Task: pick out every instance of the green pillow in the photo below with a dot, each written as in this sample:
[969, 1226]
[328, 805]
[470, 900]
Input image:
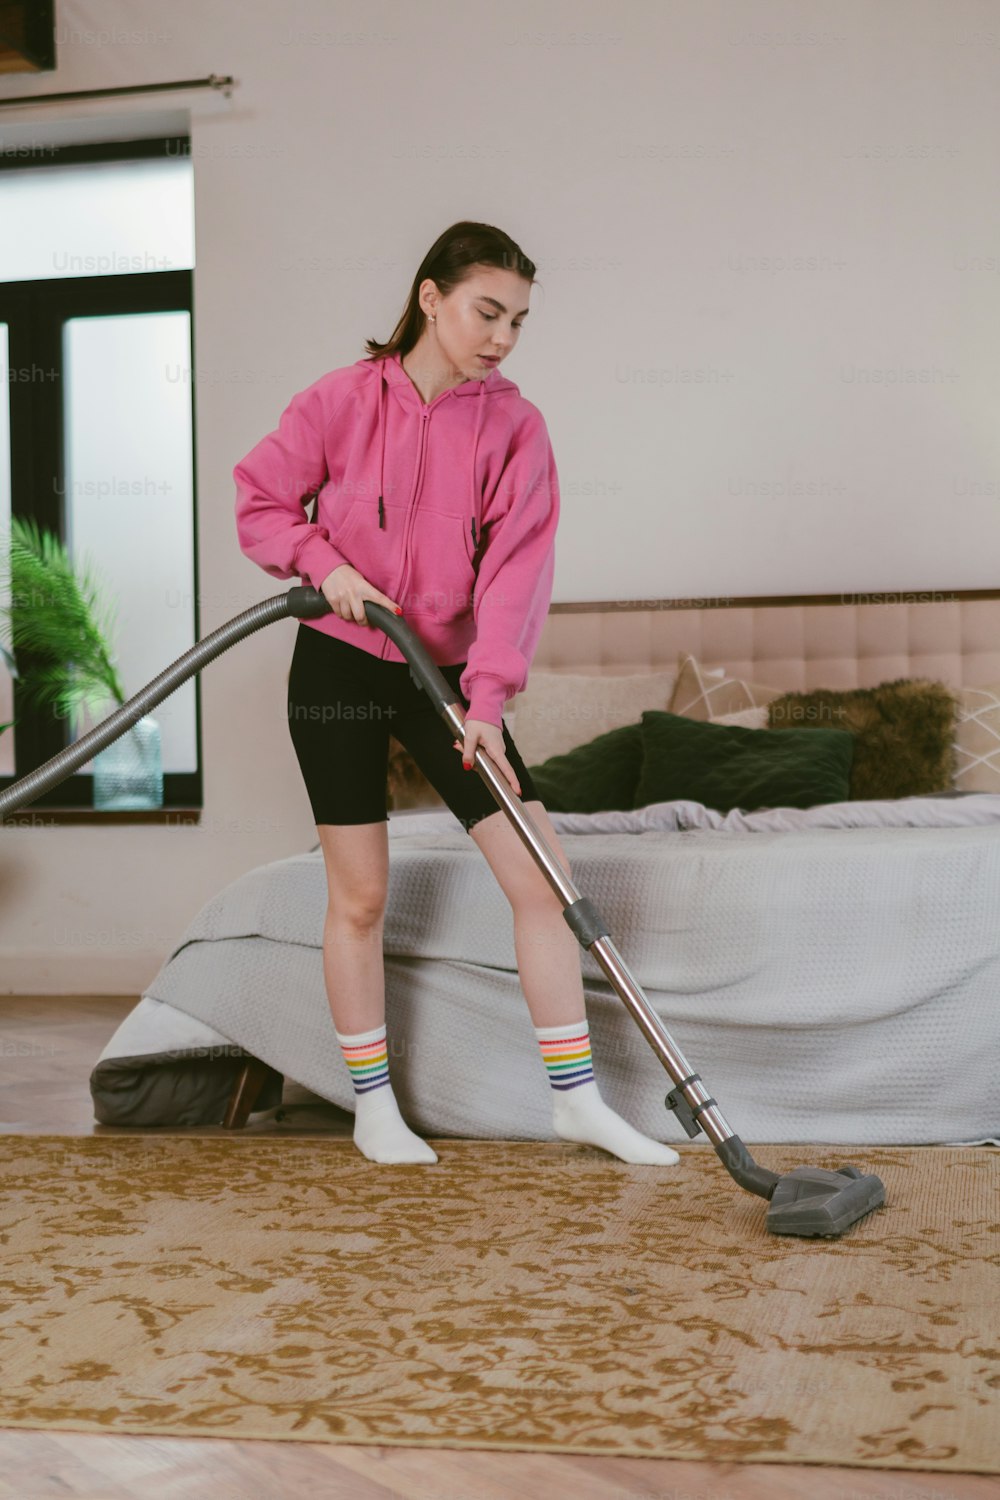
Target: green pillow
[725, 766]
[600, 776]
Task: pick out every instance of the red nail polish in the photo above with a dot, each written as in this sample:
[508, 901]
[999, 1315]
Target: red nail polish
[399, 611]
[467, 764]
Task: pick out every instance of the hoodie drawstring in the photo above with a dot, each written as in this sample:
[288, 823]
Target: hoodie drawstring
[381, 427]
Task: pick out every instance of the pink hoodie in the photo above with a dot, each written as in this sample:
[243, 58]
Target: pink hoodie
[450, 509]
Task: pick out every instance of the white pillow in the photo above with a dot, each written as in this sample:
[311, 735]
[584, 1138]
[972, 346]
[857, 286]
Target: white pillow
[746, 718]
[559, 710]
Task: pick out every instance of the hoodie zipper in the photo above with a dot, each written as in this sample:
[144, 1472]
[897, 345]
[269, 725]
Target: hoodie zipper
[408, 527]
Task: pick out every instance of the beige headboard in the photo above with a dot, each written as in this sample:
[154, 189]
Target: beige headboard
[795, 643]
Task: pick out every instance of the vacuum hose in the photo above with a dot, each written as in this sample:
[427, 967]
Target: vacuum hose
[302, 603]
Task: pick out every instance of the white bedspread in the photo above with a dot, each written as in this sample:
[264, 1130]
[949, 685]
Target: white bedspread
[834, 973]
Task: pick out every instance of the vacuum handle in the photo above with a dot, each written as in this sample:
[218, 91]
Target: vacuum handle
[309, 604]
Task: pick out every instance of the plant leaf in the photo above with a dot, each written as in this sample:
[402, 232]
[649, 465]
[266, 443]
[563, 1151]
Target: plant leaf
[56, 613]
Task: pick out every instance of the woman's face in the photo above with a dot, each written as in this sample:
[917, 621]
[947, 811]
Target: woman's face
[482, 316]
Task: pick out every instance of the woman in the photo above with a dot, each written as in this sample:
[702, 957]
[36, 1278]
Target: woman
[437, 496]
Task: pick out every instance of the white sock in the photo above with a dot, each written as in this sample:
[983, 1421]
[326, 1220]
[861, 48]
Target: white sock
[578, 1111]
[380, 1132]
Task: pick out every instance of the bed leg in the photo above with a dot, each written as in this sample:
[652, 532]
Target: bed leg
[246, 1091]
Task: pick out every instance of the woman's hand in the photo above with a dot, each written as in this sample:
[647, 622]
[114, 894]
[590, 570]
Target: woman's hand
[345, 590]
[480, 732]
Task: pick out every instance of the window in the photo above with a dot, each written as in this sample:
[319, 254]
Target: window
[97, 434]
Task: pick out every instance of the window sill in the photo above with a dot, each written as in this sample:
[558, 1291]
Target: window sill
[44, 816]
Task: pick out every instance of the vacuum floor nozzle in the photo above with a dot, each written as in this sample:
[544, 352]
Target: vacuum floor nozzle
[813, 1201]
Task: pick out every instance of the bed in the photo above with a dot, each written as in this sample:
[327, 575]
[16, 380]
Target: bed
[832, 970]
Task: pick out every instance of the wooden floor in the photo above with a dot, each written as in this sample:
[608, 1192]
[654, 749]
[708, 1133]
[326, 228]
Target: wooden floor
[48, 1047]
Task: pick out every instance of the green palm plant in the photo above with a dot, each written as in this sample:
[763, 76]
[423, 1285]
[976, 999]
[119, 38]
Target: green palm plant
[57, 614]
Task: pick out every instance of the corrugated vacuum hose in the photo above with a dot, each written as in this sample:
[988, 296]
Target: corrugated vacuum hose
[807, 1201]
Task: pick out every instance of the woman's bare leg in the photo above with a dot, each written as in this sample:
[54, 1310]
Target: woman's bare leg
[357, 868]
[548, 963]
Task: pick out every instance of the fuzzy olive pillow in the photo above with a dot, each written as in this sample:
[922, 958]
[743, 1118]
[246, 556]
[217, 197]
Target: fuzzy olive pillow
[724, 766]
[599, 776]
[904, 733]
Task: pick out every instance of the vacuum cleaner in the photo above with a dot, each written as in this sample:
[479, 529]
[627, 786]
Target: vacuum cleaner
[808, 1201]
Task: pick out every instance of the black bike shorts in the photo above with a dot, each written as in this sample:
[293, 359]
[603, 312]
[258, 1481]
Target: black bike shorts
[344, 703]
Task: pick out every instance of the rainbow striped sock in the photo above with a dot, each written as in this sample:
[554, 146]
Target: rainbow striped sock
[566, 1054]
[367, 1059]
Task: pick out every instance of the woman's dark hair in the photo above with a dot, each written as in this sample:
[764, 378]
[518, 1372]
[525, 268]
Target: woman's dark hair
[450, 261]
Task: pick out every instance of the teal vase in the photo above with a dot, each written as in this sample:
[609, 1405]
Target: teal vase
[128, 773]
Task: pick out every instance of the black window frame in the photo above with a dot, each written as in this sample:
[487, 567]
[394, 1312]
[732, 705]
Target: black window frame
[35, 312]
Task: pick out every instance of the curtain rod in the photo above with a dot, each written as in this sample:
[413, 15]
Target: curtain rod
[213, 81]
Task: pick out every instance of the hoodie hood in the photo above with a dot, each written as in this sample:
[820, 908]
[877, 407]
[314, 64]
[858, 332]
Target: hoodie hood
[392, 377]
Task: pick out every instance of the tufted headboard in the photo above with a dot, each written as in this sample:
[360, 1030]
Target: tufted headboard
[795, 643]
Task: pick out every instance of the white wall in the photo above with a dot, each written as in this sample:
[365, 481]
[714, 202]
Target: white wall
[765, 343]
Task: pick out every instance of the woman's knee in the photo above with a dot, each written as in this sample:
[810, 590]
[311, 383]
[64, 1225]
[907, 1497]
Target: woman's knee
[357, 868]
[539, 816]
[361, 910]
[525, 884]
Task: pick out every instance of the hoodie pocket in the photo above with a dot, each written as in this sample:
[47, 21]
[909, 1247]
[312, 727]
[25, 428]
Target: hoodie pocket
[440, 577]
[342, 525]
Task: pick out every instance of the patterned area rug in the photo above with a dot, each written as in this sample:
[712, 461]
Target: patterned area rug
[516, 1295]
